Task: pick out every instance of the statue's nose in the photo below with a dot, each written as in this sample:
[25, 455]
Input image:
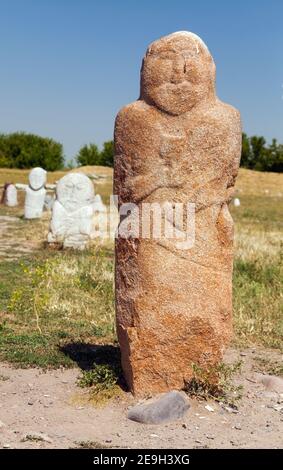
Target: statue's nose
[179, 70]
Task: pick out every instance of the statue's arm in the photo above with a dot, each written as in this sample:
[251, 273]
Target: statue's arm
[234, 151]
[58, 224]
[219, 188]
[137, 172]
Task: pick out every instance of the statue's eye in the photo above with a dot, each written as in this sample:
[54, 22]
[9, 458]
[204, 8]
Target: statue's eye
[192, 72]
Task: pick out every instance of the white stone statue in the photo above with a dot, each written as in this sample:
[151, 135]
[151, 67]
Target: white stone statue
[48, 202]
[98, 205]
[10, 196]
[35, 193]
[237, 202]
[73, 211]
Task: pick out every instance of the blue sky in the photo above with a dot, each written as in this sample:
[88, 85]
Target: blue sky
[68, 66]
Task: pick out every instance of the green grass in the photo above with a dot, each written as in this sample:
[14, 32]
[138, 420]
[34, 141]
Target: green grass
[55, 301]
[216, 383]
[57, 307]
[263, 212]
[258, 311]
[268, 366]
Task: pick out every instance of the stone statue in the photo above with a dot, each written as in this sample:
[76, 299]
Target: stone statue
[72, 212]
[177, 143]
[10, 195]
[35, 193]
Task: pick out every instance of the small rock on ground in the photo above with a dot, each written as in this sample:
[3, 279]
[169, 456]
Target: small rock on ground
[272, 383]
[169, 407]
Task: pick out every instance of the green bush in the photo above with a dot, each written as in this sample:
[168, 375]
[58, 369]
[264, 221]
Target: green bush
[256, 155]
[107, 154]
[91, 155]
[88, 155]
[21, 150]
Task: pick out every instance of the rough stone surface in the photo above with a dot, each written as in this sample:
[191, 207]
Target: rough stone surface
[72, 212]
[48, 202]
[169, 407]
[272, 383]
[177, 143]
[98, 205]
[35, 194]
[10, 196]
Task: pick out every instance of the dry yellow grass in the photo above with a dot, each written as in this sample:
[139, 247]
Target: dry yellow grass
[258, 183]
[13, 175]
[249, 182]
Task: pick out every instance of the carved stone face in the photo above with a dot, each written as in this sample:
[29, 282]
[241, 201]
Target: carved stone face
[178, 73]
[37, 178]
[75, 191]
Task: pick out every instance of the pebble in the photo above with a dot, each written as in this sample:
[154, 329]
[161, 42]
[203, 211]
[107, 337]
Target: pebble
[30, 403]
[209, 408]
[231, 410]
[278, 407]
[238, 427]
[169, 407]
[37, 435]
[272, 383]
[6, 446]
[210, 437]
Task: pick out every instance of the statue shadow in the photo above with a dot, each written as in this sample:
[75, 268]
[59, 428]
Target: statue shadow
[87, 356]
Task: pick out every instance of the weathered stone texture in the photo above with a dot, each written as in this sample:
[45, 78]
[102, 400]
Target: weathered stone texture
[72, 212]
[177, 143]
[35, 193]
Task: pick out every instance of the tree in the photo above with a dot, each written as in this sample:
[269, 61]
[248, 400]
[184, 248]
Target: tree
[246, 152]
[258, 152]
[107, 154]
[88, 155]
[21, 150]
[256, 155]
[274, 157]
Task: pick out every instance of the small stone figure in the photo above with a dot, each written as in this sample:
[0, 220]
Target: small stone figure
[10, 196]
[237, 202]
[48, 202]
[35, 194]
[72, 212]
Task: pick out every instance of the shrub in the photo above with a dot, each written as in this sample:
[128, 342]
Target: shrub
[107, 154]
[21, 150]
[256, 155]
[88, 155]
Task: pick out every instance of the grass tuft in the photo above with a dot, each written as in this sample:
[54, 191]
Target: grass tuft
[215, 383]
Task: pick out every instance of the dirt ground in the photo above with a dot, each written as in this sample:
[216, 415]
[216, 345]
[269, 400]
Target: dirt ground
[12, 249]
[38, 410]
